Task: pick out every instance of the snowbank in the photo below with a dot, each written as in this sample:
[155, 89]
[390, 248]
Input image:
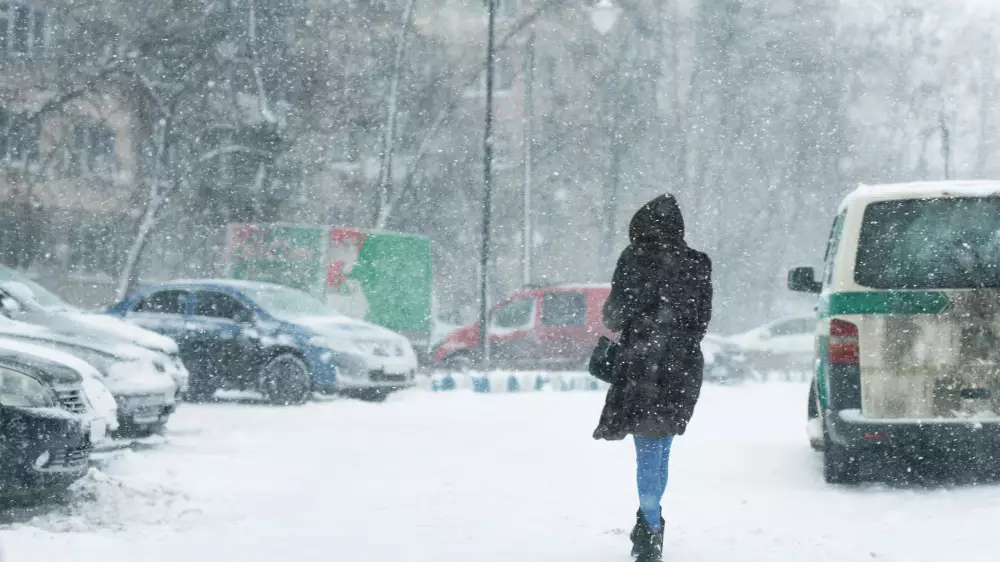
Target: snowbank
[113, 502]
[511, 381]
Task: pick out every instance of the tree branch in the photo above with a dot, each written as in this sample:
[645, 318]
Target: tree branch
[471, 77]
[385, 179]
[59, 100]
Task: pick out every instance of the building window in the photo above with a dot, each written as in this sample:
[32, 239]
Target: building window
[23, 30]
[18, 139]
[94, 150]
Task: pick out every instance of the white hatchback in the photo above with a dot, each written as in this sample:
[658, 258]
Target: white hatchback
[101, 407]
[784, 345]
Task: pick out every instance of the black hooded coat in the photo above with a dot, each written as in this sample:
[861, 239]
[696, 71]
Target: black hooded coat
[661, 302]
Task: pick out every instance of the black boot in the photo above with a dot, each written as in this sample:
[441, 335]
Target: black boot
[653, 550]
[639, 535]
[645, 539]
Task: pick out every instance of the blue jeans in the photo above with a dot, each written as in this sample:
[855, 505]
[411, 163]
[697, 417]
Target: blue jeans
[652, 456]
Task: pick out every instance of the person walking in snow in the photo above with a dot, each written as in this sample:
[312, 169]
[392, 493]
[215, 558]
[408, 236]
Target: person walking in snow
[661, 303]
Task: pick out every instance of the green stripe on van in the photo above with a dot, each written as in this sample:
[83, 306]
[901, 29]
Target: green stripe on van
[891, 302]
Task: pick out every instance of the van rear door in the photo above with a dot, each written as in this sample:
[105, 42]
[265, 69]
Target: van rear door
[564, 335]
[927, 329]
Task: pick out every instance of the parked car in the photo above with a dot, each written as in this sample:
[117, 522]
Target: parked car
[101, 405]
[44, 427]
[24, 300]
[137, 378]
[557, 327]
[538, 328]
[908, 324]
[784, 345]
[272, 339]
[725, 362]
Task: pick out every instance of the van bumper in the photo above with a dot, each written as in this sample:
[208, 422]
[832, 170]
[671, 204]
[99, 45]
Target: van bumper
[848, 428]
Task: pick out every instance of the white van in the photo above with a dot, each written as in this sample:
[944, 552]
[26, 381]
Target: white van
[908, 340]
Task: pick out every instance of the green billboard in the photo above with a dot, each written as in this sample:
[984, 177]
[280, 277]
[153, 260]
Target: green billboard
[290, 255]
[381, 277]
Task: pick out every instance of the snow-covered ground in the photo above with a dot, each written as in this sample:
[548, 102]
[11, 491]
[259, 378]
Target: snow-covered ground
[459, 476]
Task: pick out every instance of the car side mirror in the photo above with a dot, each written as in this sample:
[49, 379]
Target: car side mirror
[247, 318]
[10, 305]
[19, 292]
[803, 280]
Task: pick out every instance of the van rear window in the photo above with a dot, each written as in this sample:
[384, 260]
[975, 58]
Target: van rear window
[564, 309]
[951, 243]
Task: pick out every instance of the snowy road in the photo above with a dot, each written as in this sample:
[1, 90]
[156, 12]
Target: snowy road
[459, 476]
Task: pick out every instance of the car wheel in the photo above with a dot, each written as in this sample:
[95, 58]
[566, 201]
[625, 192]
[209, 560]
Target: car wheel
[159, 428]
[460, 362]
[815, 426]
[197, 395]
[813, 406]
[284, 380]
[200, 389]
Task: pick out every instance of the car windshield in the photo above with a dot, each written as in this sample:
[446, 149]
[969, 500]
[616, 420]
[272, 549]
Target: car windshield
[282, 301]
[42, 295]
[951, 243]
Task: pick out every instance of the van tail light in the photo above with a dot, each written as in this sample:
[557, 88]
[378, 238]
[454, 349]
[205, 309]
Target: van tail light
[844, 343]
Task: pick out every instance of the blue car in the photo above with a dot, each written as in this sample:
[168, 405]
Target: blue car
[262, 337]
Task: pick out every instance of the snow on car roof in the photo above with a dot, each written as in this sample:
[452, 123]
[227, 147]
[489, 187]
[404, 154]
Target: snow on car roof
[922, 190]
[566, 287]
[42, 336]
[233, 283]
[49, 354]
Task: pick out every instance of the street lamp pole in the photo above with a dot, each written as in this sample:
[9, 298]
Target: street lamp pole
[484, 261]
[529, 116]
[604, 15]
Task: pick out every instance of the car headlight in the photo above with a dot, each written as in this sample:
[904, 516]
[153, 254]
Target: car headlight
[405, 349]
[17, 389]
[101, 361]
[376, 348]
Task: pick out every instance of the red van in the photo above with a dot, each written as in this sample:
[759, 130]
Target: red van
[539, 328]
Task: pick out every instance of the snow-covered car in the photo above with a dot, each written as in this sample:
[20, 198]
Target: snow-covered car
[271, 339]
[45, 439]
[24, 300]
[785, 345]
[101, 408]
[725, 362]
[137, 377]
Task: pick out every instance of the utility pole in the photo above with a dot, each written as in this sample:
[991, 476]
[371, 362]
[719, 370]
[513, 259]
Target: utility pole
[604, 15]
[945, 146]
[529, 117]
[613, 184]
[484, 262]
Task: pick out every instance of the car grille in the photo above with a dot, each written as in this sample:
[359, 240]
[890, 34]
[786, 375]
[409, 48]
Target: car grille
[72, 400]
[69, 458]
